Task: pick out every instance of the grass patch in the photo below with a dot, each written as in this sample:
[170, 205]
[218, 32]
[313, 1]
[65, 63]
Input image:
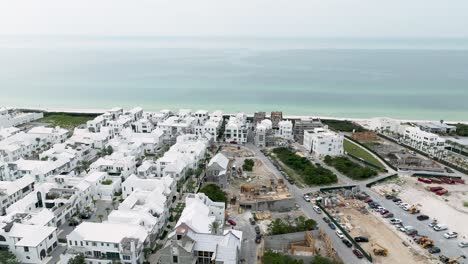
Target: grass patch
[343, 125]
[279, 227]
[248, 165]
[349, 168]
[65, 120]
[311, 174]
[214, 193]
[465, 204]
[361, 152]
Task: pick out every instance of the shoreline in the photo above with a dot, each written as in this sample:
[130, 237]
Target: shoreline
[99, 111]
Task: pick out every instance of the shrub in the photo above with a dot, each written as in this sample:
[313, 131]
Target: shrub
[248, 165]
[311, 174]
[106, 182]
[349, 168]
[214, 193]
[278, 226]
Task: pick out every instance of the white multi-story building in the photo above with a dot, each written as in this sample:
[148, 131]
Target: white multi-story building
[285, 130]
[106, 243]
[264, 134]
[383, 125]
[322, 142]
[8, 132]
[151, 142]
[13, 191]
[97, 140]
[39, 169]
[10, 117]
[236, 129]
[116, 164]
[425, 141]
[103, 186]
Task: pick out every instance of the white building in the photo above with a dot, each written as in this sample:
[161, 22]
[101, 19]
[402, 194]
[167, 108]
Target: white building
[13, 191]
[10, 117]
[116, 164]
[151, 142]
[285, 130]
[425, 141]
[39, 169]
[383, 125]
[8, 132]
[322, 142]
[264, 134]
[106, 243]
[103, 186]
[236, 129]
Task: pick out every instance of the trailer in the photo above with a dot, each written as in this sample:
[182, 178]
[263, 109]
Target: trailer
[425, 180]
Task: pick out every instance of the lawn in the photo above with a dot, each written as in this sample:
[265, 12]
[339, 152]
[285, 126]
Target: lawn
[65, 120]
[343, 125]
[361, 152]
[350, 168]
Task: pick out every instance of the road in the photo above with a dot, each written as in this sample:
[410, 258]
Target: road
[343, 252]
[249, 247]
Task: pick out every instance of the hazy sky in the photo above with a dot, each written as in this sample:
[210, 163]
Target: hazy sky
[310, 18]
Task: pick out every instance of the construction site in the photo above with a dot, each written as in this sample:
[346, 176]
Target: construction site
[349, 209]
[442, 201]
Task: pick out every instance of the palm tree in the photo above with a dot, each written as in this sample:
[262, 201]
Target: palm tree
[108, 210]
[214, 227]
[100, 216]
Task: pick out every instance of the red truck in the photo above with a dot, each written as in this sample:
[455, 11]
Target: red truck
[441, 192]
[435, 180]
[435, 189]
[425, 180]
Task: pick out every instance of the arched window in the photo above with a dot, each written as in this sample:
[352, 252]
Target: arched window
[2, 238]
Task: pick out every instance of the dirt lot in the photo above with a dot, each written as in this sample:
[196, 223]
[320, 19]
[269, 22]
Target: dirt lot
[370, 226]
[446, 209]
[238, 151]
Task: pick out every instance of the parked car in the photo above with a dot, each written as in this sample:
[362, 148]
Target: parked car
[384, 212]
[232, 222]
[317, 209]
[411, 232]
[463, 244]
[307, 198]
[257, 230]
[403, 205]
[422, 217]
[339, 234]
[389, 197]
[347, 243]
[450, 235]
[252, 221]
[440, 227]
[396, 200]
[326, 220]
[358, 253]
[389, 215]
[361, 239]
[258, 239]
[395, 221]
[73, 222]
[434, 250]
[85, 215]
[405, 228]
[332, 226]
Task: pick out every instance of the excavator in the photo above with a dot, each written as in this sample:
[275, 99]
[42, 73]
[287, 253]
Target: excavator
[414, 209]
[445, 259]
[426, 242]
[379, 251]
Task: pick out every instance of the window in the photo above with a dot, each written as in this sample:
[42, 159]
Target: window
[175, 259]
[94, 244]
[76, 243]
[50, 236]
[81, 243]
[70, 242]
[126, 257]
[26, 249]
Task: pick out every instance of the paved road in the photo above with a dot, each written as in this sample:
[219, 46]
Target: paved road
[343, 252]
[448, 247]
[249, 247]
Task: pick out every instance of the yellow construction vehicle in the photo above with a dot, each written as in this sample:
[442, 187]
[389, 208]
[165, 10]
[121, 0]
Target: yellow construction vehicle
[426, 242]
[414, 209]
[380, 250]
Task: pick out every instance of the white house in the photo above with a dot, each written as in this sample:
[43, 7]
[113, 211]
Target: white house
[285, 130]
[13, 191]
[383, 124]
[425, 141]
[236, 129]
[10, 117]
[322, 142]
[106, 243]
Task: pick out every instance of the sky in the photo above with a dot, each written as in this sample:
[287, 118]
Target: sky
[295, 18]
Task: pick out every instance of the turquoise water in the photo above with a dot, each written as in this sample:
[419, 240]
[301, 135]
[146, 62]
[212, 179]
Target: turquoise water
[414, 79]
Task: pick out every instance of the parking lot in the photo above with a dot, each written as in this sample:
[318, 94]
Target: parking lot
[449, 247]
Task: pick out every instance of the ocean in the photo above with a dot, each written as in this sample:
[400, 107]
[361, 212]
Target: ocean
[359, 78]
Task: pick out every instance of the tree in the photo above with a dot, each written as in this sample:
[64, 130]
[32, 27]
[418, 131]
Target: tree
[214, 193]
[147, 252]
[100, 216]
[323, 260]
[114, 202]
[270, 257]
[248, 165]
[190, 187]
[7, 257]
[109, 150]
[108, 210]
[214, 227]
[79, 259]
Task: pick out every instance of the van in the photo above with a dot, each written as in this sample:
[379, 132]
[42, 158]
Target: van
[440, 227]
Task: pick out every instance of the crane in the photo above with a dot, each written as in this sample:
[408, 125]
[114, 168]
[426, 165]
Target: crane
[445, 259]
[380, 251]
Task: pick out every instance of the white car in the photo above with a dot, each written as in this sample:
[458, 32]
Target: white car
[403, 205]
[306, 198]
[380, 208]
[463, 244]
[339, 234]
[405, 228]
[450, 235]
[317, 209]
[395, 221]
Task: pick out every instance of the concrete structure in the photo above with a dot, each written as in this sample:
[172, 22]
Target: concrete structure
[264, 135]
[276, 117]
[258, 117]
[322, 142]
[236, 129]
[305, 124]
[285, 130]
[13, 191]
[10, 117]
[437, 127]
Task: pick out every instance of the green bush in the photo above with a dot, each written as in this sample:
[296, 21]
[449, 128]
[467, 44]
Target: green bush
[462, 130]
[311, 174]
[343, 125]
[106, 182]
[270, 257]
[279, 227]
[349, 168]
[214, 193]
[248, 164]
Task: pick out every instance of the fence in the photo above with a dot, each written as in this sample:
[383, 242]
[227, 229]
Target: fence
[367, 163]
[326, 189]
[356, 245]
